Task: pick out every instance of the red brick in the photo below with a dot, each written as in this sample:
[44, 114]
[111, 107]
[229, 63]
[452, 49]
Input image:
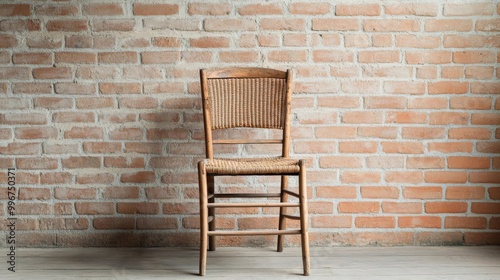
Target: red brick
[336, 192]
[167, 42]
[445, 207]
[385, 162]
[484, 177]
[494, 193]
[14, 103]
[358, 147]
[463, 193]
[158, 223]
[23, 118]
[485, 208]
[415, 9]
[340, 162]
[160, 57]
[465, 222]
[344, 24]
[209, 42]
[258, 9]
[378, 56]
[94, 208]
[52, 73]
[419, 222]
[67, 117]
[217, 24]
[474, 57]
[109, 9]
[425, 162]
[7, 10]
[209, 9]
[375, 222]
[64, 224]
[49, 178]
[239, 57]
[101, 147]
[439, 25]
[405, 117]
[117, 57]
[75, 88]
[56, 10]
[36, 133]
[138, 207]
[390, 25]
[428, 57]
[451, 147]
[36, 163]
[84, 133]
[156, 134]
[469, 133]
[114, 223]
[99, 178]
[479, 72]
[8, 41]
[81, 162]
[378, 132]
[422, 192]
[138, 177]
[404, 87]
[422, 133]
[445, 177]
[383, 102]
[40, 42]
[32, 58]
[403, 148]
[485, 87]
[360, 177]
[34, 193]
[402, 207]
[76, 25]
[487, 25]
[101, 25]
[130, 133]
[76, 57]
[332, 56]
[469, 9]
[305, 8]
[331, 222]
[358, 207]
[293, 24]
[288, 56]
[20, 25]
[461, 162]
[411, 177]
[414, 41]
[142, 9]
[380, 192]
[448, 118]
[428, 103]
[470, 103]
[121, 192]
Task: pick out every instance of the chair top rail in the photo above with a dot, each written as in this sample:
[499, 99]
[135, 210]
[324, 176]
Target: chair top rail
[248, 72]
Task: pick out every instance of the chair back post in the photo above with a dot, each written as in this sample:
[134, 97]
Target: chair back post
[207, 122]
[287, 118]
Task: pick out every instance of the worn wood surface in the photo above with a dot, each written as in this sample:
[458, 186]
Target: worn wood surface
[350, 263]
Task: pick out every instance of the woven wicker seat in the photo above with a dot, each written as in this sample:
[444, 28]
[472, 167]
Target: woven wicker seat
[251, 166]
[249, 98]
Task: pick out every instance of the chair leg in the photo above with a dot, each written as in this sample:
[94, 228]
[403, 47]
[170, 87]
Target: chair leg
[202, 179]
[282, 219]
[304, 219]
[211, 212]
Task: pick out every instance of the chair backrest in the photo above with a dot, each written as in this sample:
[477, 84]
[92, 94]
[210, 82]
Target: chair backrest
[246, 97]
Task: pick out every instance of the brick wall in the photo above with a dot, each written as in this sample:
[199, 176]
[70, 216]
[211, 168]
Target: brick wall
[395, 109]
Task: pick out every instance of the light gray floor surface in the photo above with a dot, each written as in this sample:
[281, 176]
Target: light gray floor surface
[466, 262]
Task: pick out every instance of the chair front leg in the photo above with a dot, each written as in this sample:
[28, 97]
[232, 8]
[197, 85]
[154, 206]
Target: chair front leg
[211, 212]
[304, 218]
[202, 180]
[282, 219]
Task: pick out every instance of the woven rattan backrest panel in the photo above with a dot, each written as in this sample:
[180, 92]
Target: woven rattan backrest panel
[247, 102]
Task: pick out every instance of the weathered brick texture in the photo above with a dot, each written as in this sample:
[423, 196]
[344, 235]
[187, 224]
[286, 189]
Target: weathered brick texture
[395, 110]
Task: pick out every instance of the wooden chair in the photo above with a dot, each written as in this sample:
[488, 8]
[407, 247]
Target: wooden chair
[249, 98]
